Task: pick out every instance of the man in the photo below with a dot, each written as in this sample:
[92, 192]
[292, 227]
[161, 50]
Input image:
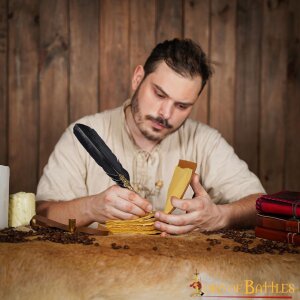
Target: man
[149, 134]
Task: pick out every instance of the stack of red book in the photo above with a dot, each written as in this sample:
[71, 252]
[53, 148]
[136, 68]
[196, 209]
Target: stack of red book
[278, 217]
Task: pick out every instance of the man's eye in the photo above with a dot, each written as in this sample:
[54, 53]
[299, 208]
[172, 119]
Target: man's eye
[181, 106]
[160, 95]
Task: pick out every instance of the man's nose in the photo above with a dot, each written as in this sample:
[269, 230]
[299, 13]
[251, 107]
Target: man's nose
[166, 109]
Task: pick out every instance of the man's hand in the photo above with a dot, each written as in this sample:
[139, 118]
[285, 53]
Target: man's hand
[113, 203]
[118, 203]
[201, 214]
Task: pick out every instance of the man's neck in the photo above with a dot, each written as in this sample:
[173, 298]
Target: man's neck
[139, 139]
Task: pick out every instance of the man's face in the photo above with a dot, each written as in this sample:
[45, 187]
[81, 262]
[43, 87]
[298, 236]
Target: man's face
[162, 101]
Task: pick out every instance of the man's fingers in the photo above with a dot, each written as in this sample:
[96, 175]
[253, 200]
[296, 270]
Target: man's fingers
[173, 229]
[178, 220]
[126, 206]
[164, 234]
[135, 199]
[196, 186]
[121, 215]
[187, 205]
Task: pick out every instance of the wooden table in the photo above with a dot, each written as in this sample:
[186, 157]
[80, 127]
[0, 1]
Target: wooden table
[152, 268]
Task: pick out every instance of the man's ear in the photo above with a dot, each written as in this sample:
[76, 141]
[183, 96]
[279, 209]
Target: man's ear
[137, 77]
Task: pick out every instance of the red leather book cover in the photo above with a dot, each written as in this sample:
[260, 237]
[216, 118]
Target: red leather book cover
[284, 203]
[276, 235]
[276, 223]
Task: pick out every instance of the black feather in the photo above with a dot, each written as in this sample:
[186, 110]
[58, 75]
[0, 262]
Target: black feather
[102, 154]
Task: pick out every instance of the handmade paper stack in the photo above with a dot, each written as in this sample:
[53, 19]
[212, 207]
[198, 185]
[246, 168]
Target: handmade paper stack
[180, 181]
[278, 217]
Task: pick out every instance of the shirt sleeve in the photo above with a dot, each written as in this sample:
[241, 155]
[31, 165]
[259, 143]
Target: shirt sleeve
[64, 176]
[224, 176]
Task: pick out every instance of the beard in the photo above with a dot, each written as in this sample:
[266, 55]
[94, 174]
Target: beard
[151, 134]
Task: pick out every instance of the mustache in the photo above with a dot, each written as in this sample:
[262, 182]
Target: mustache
[160, 120]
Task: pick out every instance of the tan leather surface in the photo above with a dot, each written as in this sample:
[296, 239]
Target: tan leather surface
[45, 270]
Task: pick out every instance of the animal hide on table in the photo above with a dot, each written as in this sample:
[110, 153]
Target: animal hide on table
[152, 268]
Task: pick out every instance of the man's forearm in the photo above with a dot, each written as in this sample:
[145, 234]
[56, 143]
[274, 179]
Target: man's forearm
[241, 213]
[62, 211]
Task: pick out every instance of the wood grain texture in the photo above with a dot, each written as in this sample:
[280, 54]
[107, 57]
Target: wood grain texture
[54, 65]
[292, 153]
[84, 58]
[3, 82]
[223, 55]
[142, 31]
[61, 59]
[169, 20]
[247, 87]
[273, 94]
[23, 93]
[114, 53]
[197, 27]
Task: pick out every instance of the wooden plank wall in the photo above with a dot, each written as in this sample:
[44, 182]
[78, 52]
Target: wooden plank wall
[62, 59]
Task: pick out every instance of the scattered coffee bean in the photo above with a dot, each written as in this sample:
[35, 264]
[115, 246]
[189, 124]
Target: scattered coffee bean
[236, 248]
[126, 247]
[245, 239]
[154, 248]
[10, 235]
[114, 246]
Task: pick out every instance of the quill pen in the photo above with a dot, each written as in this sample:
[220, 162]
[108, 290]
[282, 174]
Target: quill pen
[102, 154]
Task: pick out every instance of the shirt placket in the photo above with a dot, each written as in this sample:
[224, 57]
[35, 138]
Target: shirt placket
[146, 168]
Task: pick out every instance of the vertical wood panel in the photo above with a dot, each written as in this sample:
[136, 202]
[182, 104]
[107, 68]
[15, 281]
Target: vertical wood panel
[292, 159]
[23, 92]
[169, 20]
[53, 75]
[223, 42]
[114, 53]
[3, 82]
[197, 12]
[104, 53]
[273, 94]
[142, 31]
[84, 60]
[249, 18]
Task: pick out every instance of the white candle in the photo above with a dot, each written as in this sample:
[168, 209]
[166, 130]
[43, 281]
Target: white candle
[21, 209]
[4, 196]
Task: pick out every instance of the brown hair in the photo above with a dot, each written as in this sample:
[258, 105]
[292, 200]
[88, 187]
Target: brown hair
[184, 56]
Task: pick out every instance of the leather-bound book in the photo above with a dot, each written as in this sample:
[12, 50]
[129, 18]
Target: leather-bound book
[276, 235]
[284, 203]
[276, 223]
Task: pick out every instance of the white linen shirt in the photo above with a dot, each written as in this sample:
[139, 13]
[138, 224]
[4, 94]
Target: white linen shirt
[72, 173]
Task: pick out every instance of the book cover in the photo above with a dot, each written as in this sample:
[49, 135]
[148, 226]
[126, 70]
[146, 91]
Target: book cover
[285, 203]
[277, 223]
[276, 235]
